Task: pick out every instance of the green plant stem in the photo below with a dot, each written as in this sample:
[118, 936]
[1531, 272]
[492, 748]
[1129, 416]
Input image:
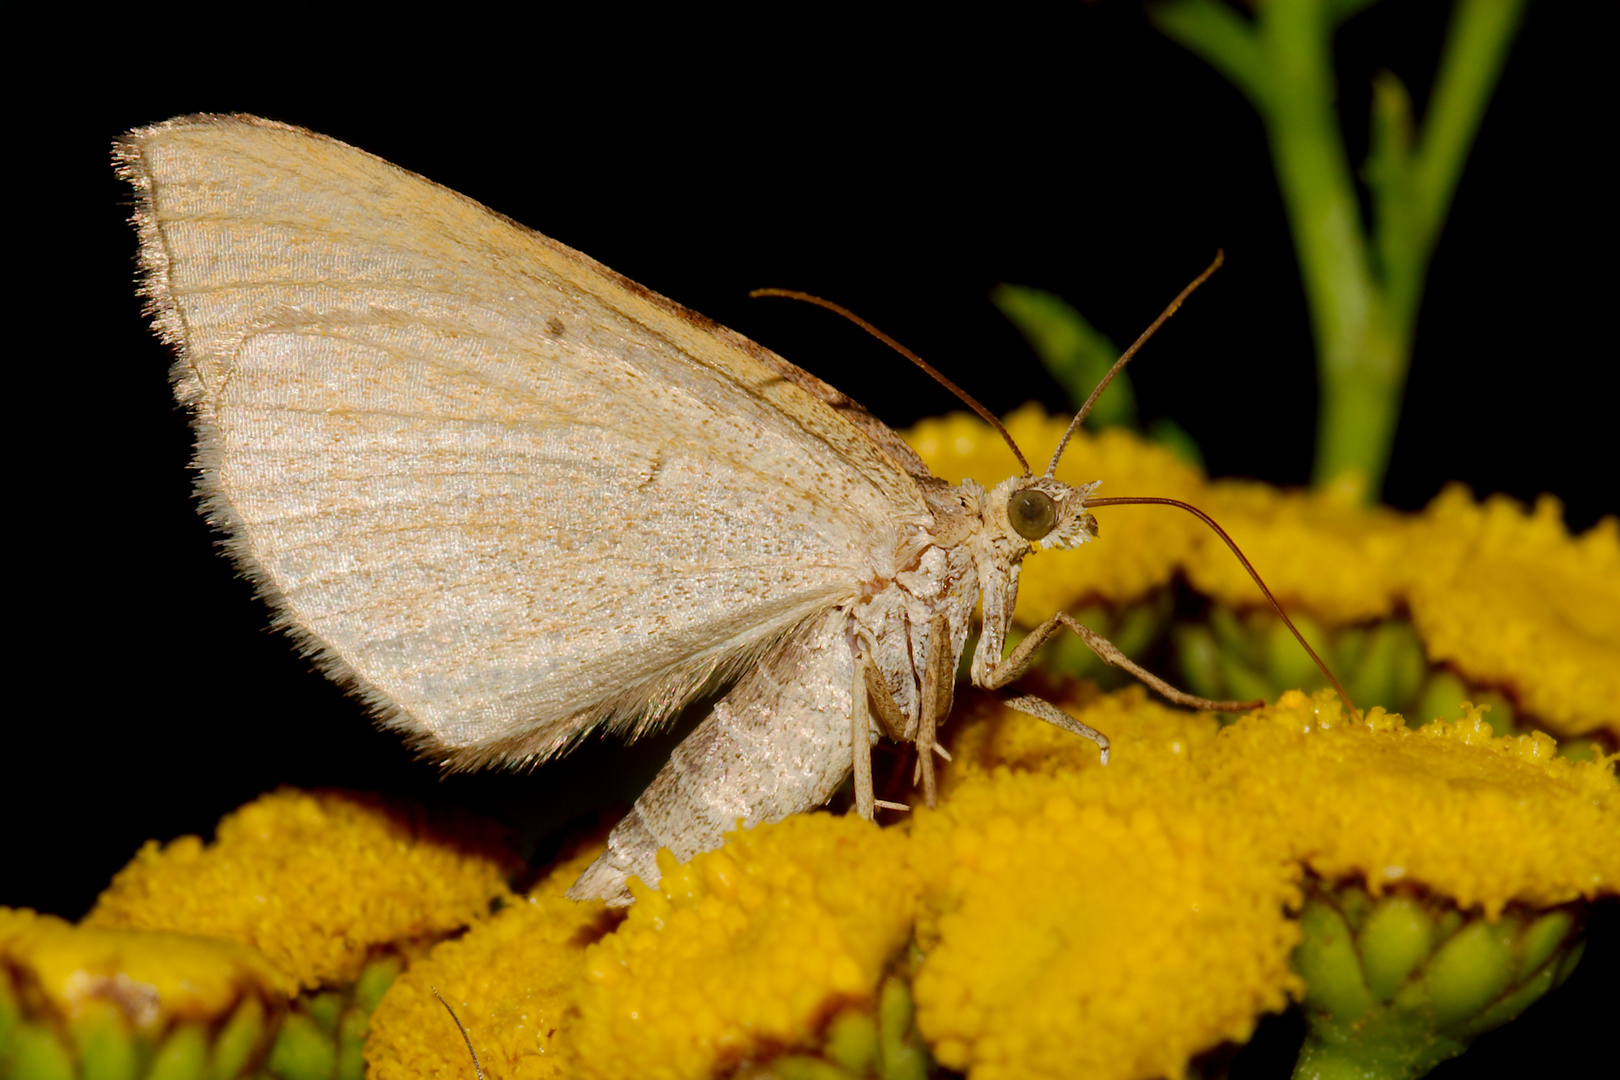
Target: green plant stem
[1363, 295]
[1476, 48]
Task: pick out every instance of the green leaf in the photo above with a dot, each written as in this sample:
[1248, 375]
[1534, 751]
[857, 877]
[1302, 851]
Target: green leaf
[1075, 353]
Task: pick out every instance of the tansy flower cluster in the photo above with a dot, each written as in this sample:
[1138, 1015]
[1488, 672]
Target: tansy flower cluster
[1154, 904]
[1417, 611]
[1410, 885]
[268, 881]
[264, 951]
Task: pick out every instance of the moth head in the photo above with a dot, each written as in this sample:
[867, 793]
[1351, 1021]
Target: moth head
[1041, 510]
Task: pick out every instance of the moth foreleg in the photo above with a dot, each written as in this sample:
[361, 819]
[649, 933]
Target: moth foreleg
[1041, 709]
[1018, 661]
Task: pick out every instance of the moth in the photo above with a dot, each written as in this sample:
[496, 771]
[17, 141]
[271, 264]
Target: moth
[509, 497]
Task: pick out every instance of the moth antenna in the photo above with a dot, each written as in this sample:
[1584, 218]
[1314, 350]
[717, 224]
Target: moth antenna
[1220, 257]
[477, 1068]
[985, 414]
[1207, 520]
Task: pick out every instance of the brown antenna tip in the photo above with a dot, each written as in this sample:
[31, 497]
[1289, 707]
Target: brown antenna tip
[984, 414]
[1125, 358]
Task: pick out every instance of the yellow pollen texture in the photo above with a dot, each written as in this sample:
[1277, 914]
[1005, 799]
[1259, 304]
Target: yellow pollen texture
[1445, 807]
[314, 881]
[1509, 598]
[751, 947]
[1067, 937]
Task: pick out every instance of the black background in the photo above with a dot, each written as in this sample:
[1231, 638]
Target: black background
[902, 171]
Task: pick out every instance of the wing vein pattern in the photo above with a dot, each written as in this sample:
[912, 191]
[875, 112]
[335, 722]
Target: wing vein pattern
[500, 490]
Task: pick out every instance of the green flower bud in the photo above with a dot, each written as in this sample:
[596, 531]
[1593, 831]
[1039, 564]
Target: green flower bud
[1397, 984]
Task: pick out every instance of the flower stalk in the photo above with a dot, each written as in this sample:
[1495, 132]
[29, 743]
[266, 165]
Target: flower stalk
[1363, 284]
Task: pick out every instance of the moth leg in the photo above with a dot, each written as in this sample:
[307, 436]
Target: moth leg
[860, 718]
[1041, 709]
[1018, 662]
[944, 754]
[925, 760]
[938, 686]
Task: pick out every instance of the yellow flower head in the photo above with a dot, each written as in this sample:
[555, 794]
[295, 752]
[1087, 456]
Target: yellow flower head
[89, 1001]
[510, 982]
[747, 948]
[1447, 807]
[985, 735]
[1507, 599]
[1512, 600]
[1057, 891]
[150, 977]
[1095, 924]
[1318, 552]
[314, 881]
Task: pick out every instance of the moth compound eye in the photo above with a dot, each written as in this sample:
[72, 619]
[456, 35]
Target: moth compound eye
[1032, 513]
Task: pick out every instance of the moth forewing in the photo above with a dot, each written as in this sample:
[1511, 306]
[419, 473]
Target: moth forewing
[508, 496]
[426, 456]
